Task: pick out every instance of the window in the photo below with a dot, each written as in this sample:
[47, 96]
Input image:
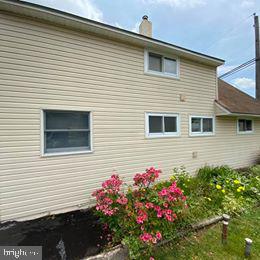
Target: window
[155, 62]
[66, 132]
[161, 65]
[245, 125]
[201, 125]
[159, 125]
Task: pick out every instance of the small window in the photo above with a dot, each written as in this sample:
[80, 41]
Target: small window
[245, 126]
[161, 65]
[66, 131]
[170, 66]
[155, 62]
[159, 125]
[201, 125]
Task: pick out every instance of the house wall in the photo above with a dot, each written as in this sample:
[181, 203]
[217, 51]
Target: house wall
[44, 67]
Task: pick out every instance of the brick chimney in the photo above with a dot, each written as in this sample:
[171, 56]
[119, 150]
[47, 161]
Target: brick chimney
[145, 28]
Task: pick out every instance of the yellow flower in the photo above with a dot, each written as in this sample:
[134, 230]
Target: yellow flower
[172, 178]
[223, 191]
[218, 187]
[238, 190]
[242, 188]
[236, 181]
[227, 181]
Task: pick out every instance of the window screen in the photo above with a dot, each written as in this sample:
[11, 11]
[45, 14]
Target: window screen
[162, 124]
[155, 62]
[66, 131]
[245, 125]
[201, 125]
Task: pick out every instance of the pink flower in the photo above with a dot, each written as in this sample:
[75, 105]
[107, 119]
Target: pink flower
[149, 176]
[122, 200]
[142, 216]
[138, 204]
[169, 218]
[154, 240]
[108, 201]
[149, 205]
[157, 208]
[166, 205]
[158, 235]
[146, 237]
[168, 211]
[159, 214]
[163, 192]
[151, 258]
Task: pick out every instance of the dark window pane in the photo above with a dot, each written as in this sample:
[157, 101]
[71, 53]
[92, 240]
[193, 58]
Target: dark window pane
[66, 120]
[67, 141]
[207, 125]
[170, 66]
[155, 62]
[155, 124]
[241, 125]
[195, 124]
[249, 125]
[170, 124]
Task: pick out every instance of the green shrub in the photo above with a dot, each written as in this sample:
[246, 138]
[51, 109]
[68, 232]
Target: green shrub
[215, 190]
[144, 214]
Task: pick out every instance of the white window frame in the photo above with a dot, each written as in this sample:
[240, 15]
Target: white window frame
[157, 73]
[160, 135]
[201, 133]
[44, 154]
[245, 132]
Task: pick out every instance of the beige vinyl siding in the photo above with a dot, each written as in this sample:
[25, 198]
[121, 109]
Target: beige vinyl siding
[45, 67]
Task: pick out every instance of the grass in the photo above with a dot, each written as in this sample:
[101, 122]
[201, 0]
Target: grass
[206, 244]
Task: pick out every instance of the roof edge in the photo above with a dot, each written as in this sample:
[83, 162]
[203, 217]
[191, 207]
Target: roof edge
[58, 17]
[232, 113]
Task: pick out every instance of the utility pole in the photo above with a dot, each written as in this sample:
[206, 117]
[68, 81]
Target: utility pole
[257, 57]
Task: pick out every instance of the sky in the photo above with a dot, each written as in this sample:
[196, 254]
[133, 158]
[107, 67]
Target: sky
[221, 28]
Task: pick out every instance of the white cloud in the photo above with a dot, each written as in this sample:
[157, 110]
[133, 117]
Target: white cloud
[244, 83]
[224, 68]
[116, 24]
[87, 9]
[177, 3]
[84, 8]
[247, 3]
[136, 27]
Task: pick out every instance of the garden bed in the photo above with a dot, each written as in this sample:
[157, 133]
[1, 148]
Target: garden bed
[72, 235]
[142, 216]
[151, 212]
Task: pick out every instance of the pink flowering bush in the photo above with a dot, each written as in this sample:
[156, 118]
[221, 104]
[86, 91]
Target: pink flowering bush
[142, 214]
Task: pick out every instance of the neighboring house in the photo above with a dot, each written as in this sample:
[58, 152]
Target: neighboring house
[80, 100]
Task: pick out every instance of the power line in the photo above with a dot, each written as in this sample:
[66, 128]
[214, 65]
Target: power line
[238, 68]
[249, 65]
[229, 31]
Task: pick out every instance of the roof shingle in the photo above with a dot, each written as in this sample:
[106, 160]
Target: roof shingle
[236, 101]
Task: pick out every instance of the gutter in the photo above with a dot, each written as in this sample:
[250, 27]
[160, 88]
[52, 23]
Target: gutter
[71, 21]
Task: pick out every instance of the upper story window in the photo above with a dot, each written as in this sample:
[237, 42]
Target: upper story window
[66, 132]
[201, 125]
[161, 65]
[245, 125]
[161, 125]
